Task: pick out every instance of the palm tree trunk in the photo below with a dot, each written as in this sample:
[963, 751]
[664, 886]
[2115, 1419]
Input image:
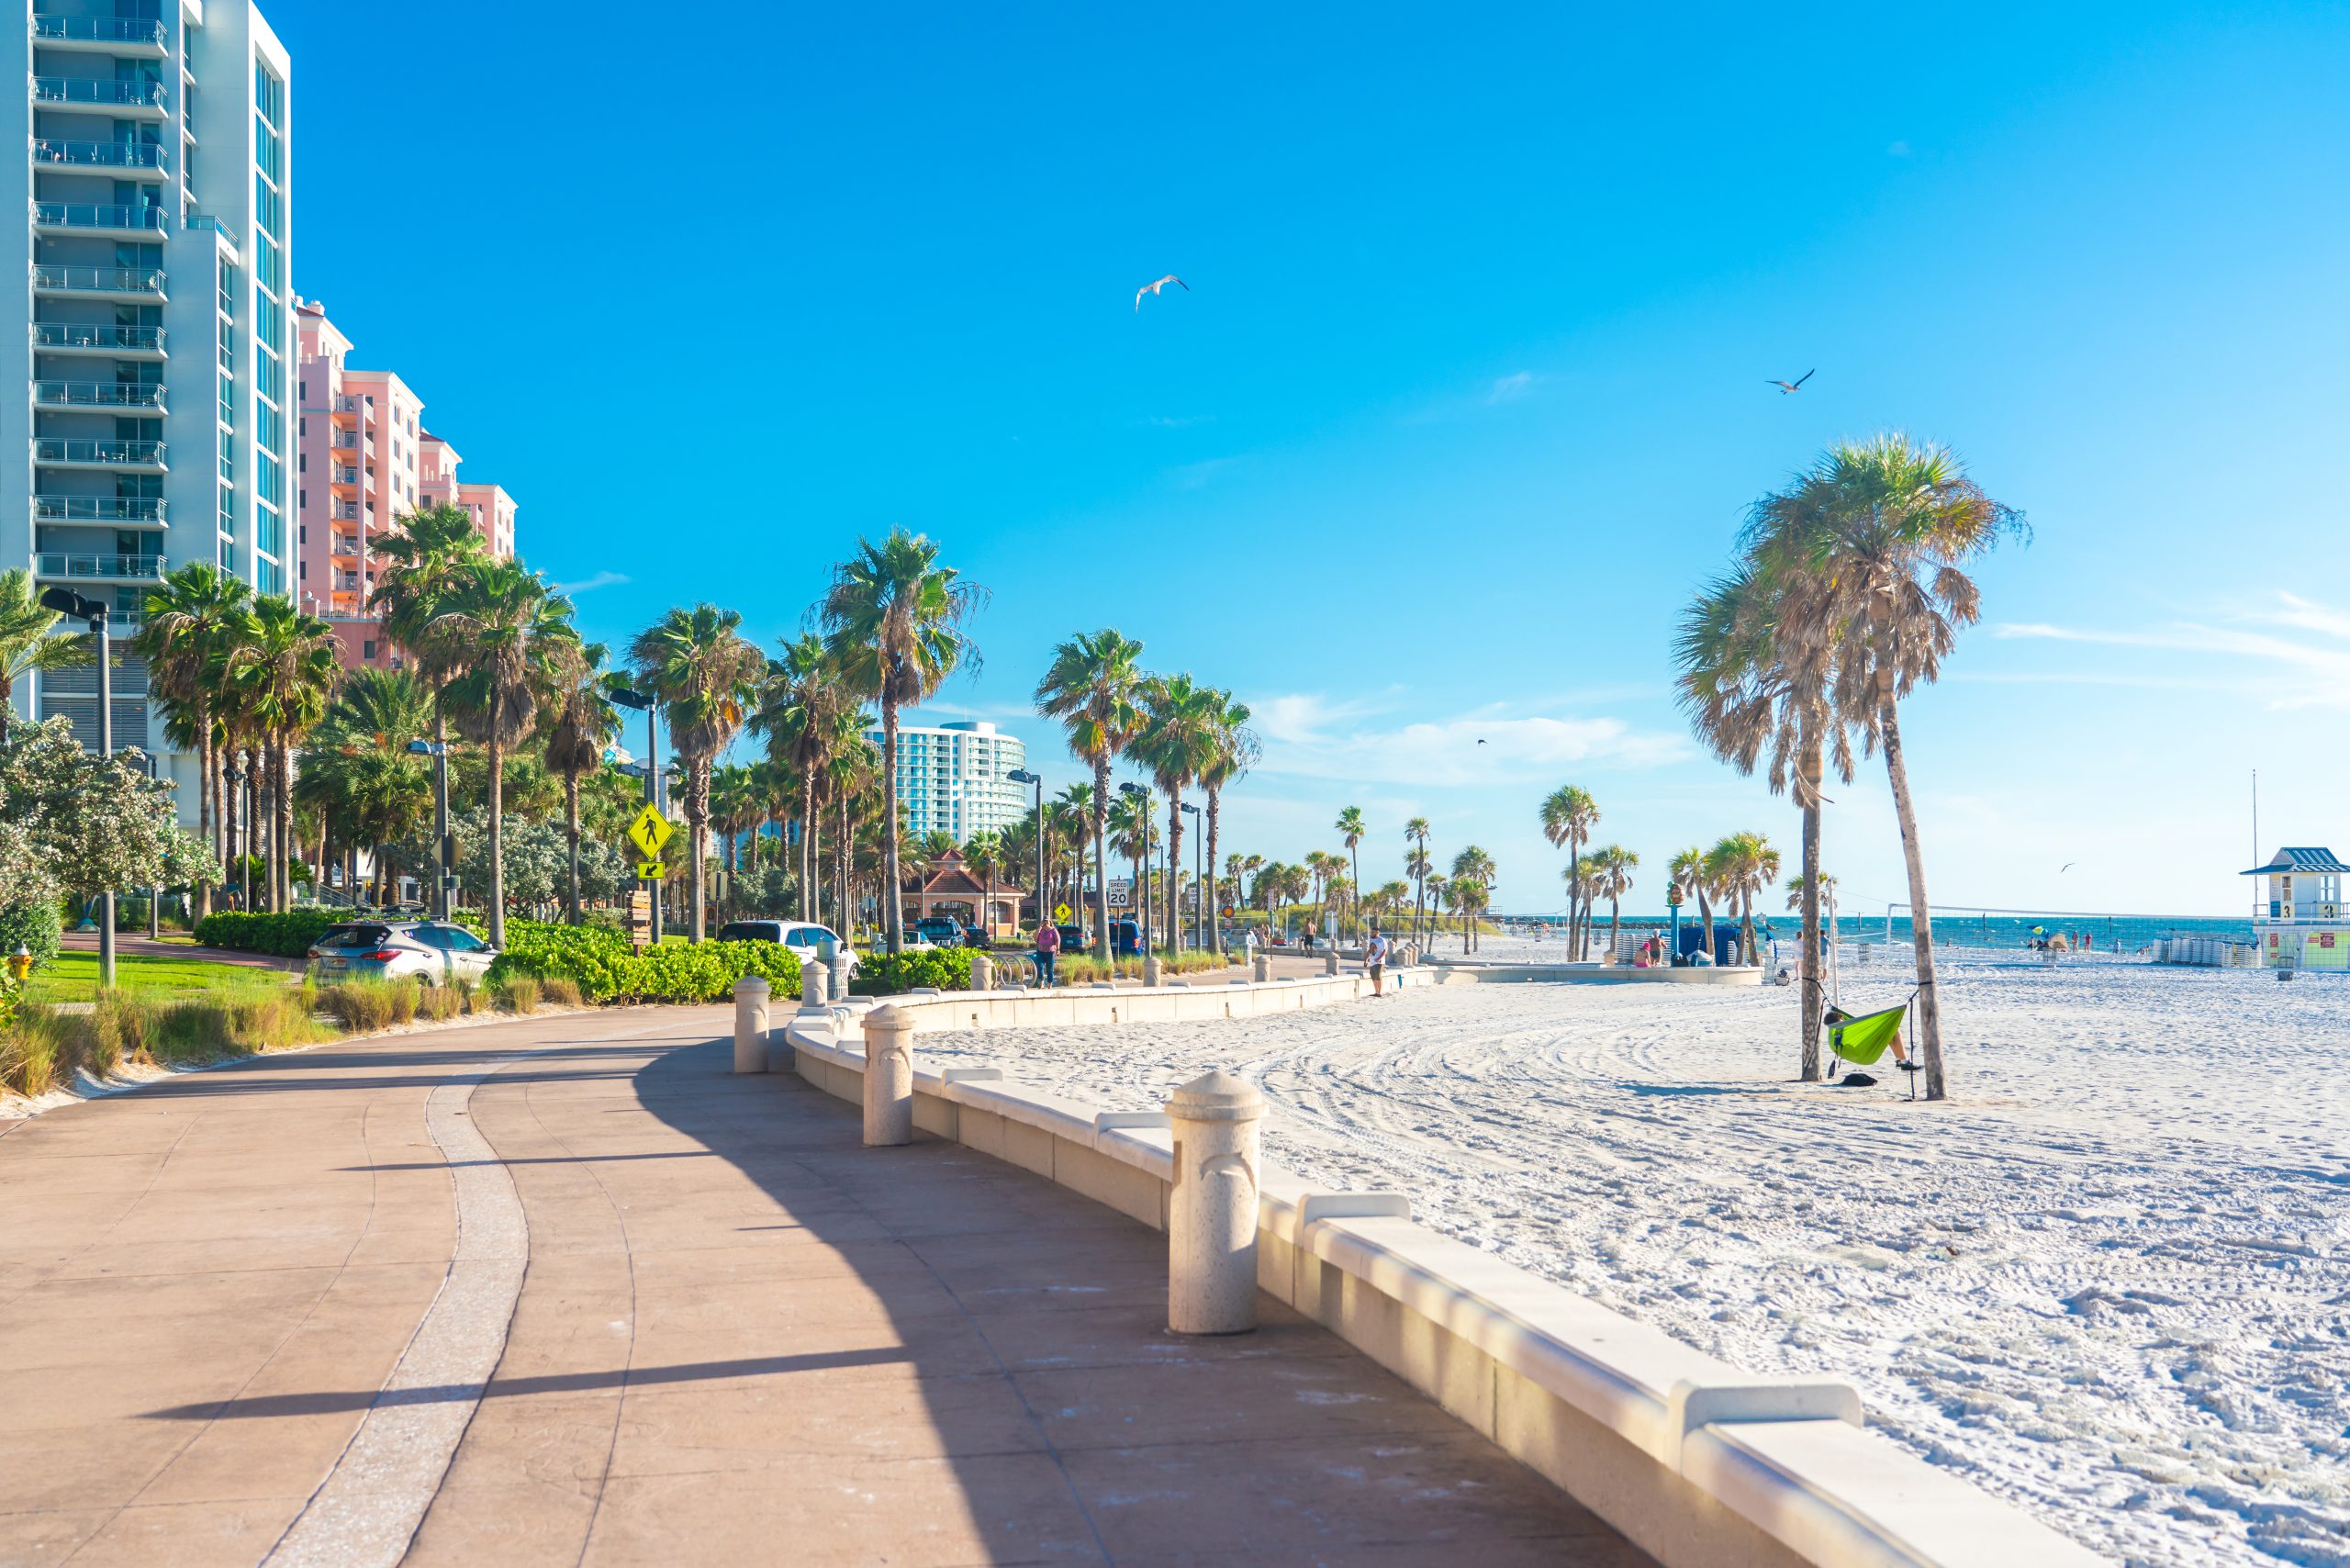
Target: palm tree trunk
[571, 830]
[808, 859]
[843, 841]
[282, 830]
[1615, 924]
[496, 821]
[1355, 852]
[1208, 915]
[1922, 919]
[1705, 922]
[696, 841]
[1746, 926]
[1102, 856]
[1813, 1005]
[206, 802]
[1174, 870]
[893, 908]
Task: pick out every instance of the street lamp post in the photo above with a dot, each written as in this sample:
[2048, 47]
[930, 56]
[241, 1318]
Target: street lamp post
[1199, 847]
[65, 601]
[643, 702]
[1022, 775]
[1141, 798]
[445, 891]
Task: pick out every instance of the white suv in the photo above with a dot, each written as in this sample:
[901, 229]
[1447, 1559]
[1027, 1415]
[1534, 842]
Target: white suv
[803, 937]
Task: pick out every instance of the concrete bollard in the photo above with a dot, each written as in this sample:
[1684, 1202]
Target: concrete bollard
[750, 1025]
[1260, 968]
[1149, 970]
[1212, 1208]
[814, 987]
[1330, 962]
[982, 972]
[888, 1077]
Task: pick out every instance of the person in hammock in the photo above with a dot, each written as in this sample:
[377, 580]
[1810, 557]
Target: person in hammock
[1900, 1053]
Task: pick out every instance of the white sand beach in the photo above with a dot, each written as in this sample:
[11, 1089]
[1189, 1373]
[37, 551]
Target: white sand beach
[2110, 1280]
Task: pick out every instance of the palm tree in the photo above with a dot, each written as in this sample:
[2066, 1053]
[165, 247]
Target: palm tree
[1870, 555]
[1688, 869]
[893, 620]
[187, 623]
[1438, 887]
[25, 646]
[1614, 865]
[357, 771]
[428, 552]
[514, 635]
[1133, 832]
[581, 722]
[1350, 827]
[1178, 744]
[1747, 691]
[1568, 816]
[281, 670]
[800, 711]
[1235, 750]
[1070, 822]
[1417, 866]
[1741, 866]
[1472, 879]
[1094, 686]
[697, 665]
[984, 852]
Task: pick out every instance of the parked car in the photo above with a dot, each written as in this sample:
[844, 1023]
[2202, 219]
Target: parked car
[1126, 938]
[1075, 939]
[803, 937]
[407, 950]
[939, 931]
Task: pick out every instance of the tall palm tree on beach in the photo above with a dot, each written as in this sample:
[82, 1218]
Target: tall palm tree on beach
[1872, 559]
[1569, 813]
[1688, 868]
[1472, 877]
[1352, 828]
[893, 620]
[799, 707]
[508, 629]
[1746, 692]
[1235, 752]
[1094, 688]
[1741, 866]
[698, 666]
[1416, 866]
[1178, 744]
[1614, 865]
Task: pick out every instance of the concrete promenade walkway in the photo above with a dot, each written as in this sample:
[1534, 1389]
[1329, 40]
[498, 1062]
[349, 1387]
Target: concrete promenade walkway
[566, 1291]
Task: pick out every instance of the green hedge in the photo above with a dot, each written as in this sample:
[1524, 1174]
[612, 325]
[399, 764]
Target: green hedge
[32, 926]
[606, 968]
[289, 934]
[883, 974]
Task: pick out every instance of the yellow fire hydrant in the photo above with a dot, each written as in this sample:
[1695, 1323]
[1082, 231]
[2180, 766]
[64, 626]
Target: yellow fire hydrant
[20, 962]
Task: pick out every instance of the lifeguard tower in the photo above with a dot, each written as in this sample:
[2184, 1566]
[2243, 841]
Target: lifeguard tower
[2299, 924]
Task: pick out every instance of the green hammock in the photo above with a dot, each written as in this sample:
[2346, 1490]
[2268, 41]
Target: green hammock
[1863, 1039]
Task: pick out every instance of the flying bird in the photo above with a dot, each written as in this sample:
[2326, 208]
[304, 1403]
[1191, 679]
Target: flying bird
[1480, 742]
[1791, 386]
[1155, 287]
[2066, 867]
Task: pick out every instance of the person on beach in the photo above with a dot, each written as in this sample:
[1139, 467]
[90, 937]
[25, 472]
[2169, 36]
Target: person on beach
[1309, 936]
[1049, 948]
[1374, 962]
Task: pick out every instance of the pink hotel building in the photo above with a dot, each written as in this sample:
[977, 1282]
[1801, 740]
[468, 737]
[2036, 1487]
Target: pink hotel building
[363, 460]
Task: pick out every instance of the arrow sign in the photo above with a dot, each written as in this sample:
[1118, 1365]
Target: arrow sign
[652, 871]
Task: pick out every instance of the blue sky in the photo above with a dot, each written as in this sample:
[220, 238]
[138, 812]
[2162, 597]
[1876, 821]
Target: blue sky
[1468, 393]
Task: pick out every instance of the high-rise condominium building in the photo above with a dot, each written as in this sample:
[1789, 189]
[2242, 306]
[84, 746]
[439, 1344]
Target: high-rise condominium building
[951, 779]
[364, 461]
[157, 426]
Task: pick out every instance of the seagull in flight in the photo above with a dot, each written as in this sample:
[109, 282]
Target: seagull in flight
[1480, 742]
[1155, 287]
[2066, 867]
[1791, 386]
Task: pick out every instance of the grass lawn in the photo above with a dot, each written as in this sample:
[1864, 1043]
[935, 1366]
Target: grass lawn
[73, 977]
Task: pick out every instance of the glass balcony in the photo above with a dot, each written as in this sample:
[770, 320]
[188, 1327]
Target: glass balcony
[132, 283]
[343, 439]
[60, 451]
[346, 545]
[68, 337]
[100, 394]
[343, 512]
[104, 220]
[128, 568]
[146, 509]
[106, 31]
[98, 94]
[100, 156]
[346, 404]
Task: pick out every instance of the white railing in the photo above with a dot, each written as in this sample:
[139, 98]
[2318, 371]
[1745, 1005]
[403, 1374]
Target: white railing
[92, 215]
[343, 439]
[99, 29]
[346, 475]
[345, 403]
[100, 393]
[99, 509]
[95, 335]
[145, 568]
[344, 511]
[101, 154]
[99, 280]
[84, 90]
[76, 449]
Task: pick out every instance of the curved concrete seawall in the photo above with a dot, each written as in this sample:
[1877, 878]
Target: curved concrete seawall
[1699, 1462]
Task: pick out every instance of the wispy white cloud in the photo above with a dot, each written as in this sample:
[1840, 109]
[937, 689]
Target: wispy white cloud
[1309, 735]
[1176, 421]
[2301, 673]
[1511, 387]
[591, 582]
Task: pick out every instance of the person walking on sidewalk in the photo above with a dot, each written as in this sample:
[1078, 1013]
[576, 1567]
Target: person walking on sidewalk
[1049, 947]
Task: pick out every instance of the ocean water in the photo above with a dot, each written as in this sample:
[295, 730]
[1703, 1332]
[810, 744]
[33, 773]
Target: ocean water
[2124, 933]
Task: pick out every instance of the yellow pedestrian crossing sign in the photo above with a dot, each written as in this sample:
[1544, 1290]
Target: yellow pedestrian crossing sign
[652, 871]
[1060, 913]
[649, 831]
